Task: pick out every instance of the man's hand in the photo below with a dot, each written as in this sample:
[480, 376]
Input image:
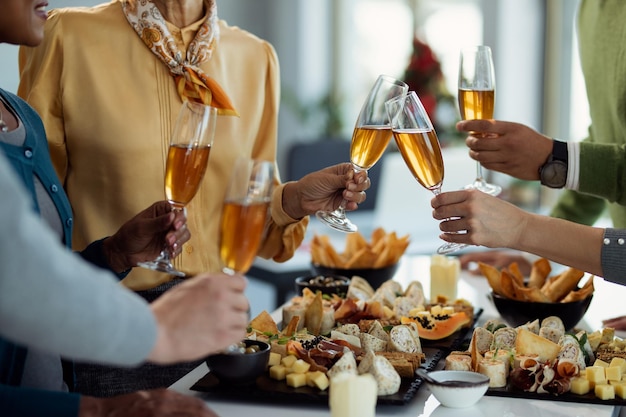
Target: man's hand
[144, 236]
[200, 316]
[152, 403]
[510, 148]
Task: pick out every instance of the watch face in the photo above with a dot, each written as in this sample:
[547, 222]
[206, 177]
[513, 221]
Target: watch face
[554, 174]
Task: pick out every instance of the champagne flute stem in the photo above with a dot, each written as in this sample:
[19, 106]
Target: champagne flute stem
[479, 173]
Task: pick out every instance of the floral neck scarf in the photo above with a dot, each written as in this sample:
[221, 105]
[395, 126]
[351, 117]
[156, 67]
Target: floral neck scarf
[191, 82]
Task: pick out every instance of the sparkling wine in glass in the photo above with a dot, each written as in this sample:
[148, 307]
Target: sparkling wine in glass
[244, 214]
[419, 146]
[477, 93]
[187, 159]
[370, 137]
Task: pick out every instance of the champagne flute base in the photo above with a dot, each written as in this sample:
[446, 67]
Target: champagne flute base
[450, 247]
[162, 266]
[337, 221]
[485, 187]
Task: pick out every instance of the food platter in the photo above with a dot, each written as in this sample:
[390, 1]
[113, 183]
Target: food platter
[267, 390]
[589, 398]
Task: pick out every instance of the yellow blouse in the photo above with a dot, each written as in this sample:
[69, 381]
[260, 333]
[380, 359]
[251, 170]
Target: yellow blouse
[108, 105]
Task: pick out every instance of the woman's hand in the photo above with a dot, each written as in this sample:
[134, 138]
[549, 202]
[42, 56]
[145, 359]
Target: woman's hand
[144, 236]
[203, 315]
[475, 218]
[325, 190]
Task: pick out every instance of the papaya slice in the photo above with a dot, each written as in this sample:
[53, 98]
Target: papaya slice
[438, 326]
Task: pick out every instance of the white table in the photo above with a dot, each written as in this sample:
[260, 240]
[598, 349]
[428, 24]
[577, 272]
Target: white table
[607, 300]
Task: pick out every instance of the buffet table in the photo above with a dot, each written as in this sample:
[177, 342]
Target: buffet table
[607, 299]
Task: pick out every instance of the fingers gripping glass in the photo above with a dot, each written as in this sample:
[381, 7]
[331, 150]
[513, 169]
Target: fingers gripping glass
[477, 94]
[369, 140]
[419, 146]
[187, 160]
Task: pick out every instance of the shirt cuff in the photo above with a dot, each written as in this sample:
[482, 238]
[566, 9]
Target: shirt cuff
[612, 255]
[573, 165]
[94, 254]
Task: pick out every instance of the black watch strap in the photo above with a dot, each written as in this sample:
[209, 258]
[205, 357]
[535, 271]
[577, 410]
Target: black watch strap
[559, 151]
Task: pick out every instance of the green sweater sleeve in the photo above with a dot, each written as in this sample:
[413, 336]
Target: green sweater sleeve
[578, 207]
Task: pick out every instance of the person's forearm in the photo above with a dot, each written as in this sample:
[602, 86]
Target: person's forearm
[564, 242]
[44, 286]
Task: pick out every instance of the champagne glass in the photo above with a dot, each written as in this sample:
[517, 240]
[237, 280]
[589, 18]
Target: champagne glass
[244, 213]
[477, 86]
[187, 159]
[369, 140]
[419, 146]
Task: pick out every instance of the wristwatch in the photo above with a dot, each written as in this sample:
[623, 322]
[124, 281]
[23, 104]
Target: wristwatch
[553, 173]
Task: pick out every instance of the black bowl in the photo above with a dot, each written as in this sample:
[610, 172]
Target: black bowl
[515, 313]
[375, 276]
[325, 283]
[237, 367]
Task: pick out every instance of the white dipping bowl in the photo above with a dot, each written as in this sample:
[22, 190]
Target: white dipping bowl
[457, 395]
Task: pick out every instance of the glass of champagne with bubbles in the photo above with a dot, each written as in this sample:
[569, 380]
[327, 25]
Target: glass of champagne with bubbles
[244, 214]
[477, 87]
[187, 159]
[370, 137]
[419, 146]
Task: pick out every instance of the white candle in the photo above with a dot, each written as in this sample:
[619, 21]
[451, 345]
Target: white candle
[352, 395]
[444, 277]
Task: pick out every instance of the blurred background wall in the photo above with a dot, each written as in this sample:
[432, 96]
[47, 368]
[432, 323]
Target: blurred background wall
[331, 51]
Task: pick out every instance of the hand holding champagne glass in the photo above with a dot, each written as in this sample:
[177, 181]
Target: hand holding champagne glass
[187, 159]
[419, 146]
[244, 214]
[477, 86]
[369, 140]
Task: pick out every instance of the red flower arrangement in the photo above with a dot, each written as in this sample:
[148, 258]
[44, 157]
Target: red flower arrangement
[424, 76]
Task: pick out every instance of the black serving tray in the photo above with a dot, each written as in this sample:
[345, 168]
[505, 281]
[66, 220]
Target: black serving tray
[267, 390]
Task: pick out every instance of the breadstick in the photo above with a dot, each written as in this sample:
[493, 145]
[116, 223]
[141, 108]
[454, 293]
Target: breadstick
[565, 282]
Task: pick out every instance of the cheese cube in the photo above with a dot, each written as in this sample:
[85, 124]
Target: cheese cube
[300, 366]
[600, 362]
[274, 359]
[435, 310]
[595, 373]
[613, 373]
[619, 362]
[608, 334]
[620, 390]
[296, 380]
[605, 391]
[288, 361]
[580, 385]
[277, 372]
[447, 310]
[310, 376]
[317, 379]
